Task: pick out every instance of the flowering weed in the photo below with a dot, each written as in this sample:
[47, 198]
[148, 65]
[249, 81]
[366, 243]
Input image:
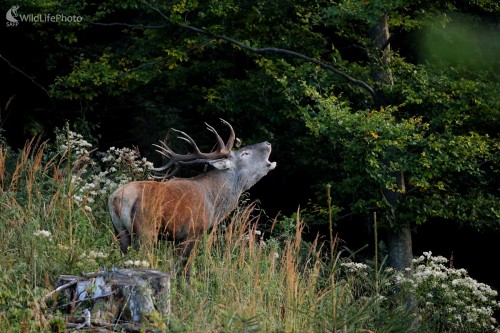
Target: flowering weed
[448, 299]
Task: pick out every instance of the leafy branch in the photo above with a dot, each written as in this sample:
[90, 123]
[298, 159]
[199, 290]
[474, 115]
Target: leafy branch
[264, 50]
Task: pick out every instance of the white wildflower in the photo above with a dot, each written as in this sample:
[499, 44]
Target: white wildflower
[94, 254]
[354, 266]
[42, 233]
[136, 263]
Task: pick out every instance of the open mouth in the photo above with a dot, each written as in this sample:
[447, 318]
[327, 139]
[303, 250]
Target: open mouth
[270, 164]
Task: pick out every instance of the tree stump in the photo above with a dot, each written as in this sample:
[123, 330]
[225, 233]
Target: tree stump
[129, 298]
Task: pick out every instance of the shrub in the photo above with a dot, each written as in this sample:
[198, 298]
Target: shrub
[448, 299]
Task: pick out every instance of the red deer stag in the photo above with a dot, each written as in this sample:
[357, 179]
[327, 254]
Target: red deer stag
[181, 209]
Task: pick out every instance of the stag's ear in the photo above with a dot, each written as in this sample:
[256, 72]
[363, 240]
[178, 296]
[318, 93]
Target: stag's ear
[221, 164]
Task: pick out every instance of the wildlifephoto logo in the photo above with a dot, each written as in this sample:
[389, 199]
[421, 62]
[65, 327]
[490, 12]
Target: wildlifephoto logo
[11, 15]
[14, 18]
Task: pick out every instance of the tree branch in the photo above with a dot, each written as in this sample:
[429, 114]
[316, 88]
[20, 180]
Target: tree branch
[263, 50]
[25, 75]
[322, 64]
[128, 25]
[64, 286]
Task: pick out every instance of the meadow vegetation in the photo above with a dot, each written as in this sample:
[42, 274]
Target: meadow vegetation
[54, 220]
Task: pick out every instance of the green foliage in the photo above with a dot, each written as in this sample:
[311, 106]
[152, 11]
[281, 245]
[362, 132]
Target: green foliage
[18, 302]
[443, 170]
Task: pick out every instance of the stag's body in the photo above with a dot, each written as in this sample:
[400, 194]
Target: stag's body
[182, 209]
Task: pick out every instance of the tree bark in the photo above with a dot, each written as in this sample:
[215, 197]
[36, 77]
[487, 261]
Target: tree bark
[400, 247]
[381, 48]
[399, 237]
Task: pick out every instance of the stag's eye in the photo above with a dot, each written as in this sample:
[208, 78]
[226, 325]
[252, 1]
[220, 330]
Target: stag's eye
[246, 152]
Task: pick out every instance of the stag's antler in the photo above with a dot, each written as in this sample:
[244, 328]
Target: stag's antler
[197, 157]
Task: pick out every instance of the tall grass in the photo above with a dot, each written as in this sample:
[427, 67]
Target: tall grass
[44, 231]
[242, 280]
[248, 283]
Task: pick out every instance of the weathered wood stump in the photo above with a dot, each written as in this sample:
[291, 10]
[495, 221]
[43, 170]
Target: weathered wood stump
[125, 297]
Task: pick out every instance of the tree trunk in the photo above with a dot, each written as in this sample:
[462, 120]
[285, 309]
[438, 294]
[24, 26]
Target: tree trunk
[381, 58]
[399, 238]
[400, 247]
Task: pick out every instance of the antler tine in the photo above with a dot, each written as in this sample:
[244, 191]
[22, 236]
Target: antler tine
[220, 142]
[168, 153]
[232, 135]
[164, 149]
[166, 175]
[184, 136]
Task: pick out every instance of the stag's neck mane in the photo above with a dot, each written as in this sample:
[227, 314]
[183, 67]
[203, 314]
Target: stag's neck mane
[223, 187]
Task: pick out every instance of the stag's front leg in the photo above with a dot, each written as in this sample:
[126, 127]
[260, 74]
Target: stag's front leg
[148, 239]
[185, 256]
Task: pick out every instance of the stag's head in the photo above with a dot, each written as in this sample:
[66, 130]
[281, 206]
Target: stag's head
[248, 164]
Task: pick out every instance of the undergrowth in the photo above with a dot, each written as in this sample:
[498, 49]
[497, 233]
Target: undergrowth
[53, 222]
